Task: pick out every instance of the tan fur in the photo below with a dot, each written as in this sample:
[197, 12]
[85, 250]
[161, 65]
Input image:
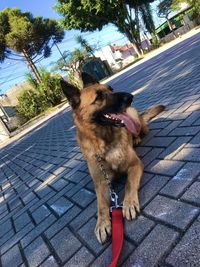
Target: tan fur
[115, 146]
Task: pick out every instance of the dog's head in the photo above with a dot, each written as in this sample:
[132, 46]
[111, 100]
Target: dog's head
[97, 104]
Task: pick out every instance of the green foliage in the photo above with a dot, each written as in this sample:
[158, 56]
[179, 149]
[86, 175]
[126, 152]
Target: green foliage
[164, 8]
[22, 33]
[50, 87]
[87, 15]
[41, 96]
[85, 45]
[30, 104]
[73, 62]
[195, 4]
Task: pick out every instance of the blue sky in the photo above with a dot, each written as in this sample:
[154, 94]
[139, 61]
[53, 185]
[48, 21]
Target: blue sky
[13, 72]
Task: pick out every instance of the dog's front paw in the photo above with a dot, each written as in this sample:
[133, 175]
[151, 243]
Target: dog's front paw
[103, 230]
[130, 208]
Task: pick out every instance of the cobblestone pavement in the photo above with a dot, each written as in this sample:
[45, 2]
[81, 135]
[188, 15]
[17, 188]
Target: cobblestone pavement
[47, 201]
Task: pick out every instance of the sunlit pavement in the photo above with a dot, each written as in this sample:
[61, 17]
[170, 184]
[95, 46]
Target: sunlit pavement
[47, 200]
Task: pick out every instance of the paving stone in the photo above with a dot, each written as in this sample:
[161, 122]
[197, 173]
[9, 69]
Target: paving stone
[185, 131]
[154, 246]
[192, 194]
[169, 128]
[152, 155]
[42, 191]
[90, 186]
[21, 221]
[61, 206]
[88, 230]
[50, 262]
[136, 230]
[82, 258]
[191, 119]
[165, 167]
[186, 252]
[12, 257]
[84, 216]
[151, 189]
[14, 203]
[106, 257]
[171, 211]
[3, 209]
[159, 125]
[40, 228]
[65, 244]
[40, 214]
[76, 177]
[195, 141]
[59, 170]
[78, 187]
[60, 184]
[60, 193]
[160, 141]
[142, 150]
[174, 148]
[7, 236]
[181, 180]
[83, 197]
[36, 252]
[5, 227]
[189, 154]
[62, 222]
[146, 177]
[17, 237]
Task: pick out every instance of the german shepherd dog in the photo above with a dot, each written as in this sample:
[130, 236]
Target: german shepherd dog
[109, 127]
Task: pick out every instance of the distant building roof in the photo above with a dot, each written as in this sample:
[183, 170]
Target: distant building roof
[121, 48]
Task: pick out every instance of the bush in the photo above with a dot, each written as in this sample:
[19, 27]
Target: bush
[47, 93]
[31, 103]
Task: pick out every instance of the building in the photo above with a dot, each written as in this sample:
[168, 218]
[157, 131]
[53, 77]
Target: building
[181, 23]
[120, 55]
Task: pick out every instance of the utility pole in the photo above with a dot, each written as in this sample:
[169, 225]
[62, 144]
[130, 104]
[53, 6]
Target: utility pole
[60, 52]
[2, 108]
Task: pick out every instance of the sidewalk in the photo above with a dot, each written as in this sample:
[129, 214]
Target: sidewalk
[146, 58]
[47, 199]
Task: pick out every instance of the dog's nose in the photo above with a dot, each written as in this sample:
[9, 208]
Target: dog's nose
[127, 98]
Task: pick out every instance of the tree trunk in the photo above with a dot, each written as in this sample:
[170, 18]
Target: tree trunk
[137, 49]
[32, 66]
[171, 27]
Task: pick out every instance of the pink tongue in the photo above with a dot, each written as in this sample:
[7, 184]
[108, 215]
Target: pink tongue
[133, 126]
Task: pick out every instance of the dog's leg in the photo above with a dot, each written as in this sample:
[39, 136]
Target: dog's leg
[131, 202]
[103, 226]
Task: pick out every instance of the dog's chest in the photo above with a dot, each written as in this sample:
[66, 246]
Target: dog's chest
[117, 158]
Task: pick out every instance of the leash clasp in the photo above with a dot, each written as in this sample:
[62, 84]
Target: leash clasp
[114, 201]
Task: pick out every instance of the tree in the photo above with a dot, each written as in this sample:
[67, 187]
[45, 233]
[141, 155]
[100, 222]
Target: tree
[86, 16]
[194, 4]
[85, 45]
[164, 10]
[73, 62]
[147, 18]
[24, 37]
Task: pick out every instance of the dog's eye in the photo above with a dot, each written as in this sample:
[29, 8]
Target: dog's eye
[100, 96]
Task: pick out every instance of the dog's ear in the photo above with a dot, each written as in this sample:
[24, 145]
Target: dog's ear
[88, 79]
[71, 92]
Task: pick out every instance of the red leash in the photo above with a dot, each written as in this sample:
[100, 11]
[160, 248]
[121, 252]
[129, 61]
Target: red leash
[117, 230]
[117, 235]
